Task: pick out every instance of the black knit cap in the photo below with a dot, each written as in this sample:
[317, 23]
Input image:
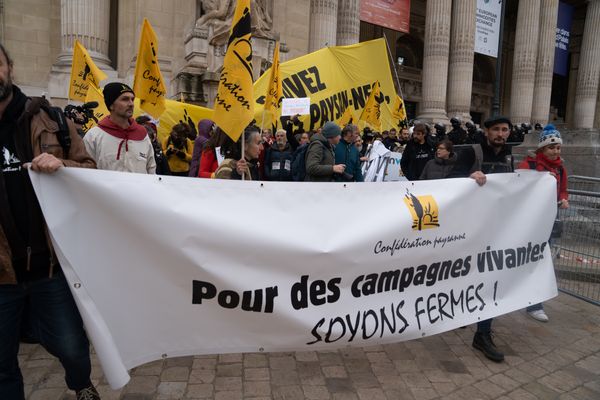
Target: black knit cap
[113, 90]
[498, 119]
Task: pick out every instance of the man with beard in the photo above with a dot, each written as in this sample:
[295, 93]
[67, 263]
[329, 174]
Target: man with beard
[278, 159]
[497, 155]
[497, 158]
[417, 153]
[33, 288]
[119, 143]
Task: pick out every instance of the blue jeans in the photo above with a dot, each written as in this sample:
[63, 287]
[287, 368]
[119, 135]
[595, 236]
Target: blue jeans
[54, 320]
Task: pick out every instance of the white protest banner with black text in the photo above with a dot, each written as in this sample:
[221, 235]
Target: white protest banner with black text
[162, 267]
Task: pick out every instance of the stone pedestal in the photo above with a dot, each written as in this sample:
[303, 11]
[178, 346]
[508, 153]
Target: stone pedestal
[588, 77]
[460, 71]
[524, 61]
[435, 61]
[545, 62]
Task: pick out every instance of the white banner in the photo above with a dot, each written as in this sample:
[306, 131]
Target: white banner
[487, 27]
[169, 266]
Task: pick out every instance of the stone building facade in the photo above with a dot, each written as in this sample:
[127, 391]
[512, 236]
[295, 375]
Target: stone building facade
[439, 74]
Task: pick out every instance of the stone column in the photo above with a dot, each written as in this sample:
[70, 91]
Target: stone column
[462, 54]
[435, 61]
[588, 76]
[348, 22]
[87, 21]
[524, 60]
[545, 62]
[323, 24]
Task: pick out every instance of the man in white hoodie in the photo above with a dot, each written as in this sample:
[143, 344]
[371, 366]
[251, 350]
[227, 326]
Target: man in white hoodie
[118, 143]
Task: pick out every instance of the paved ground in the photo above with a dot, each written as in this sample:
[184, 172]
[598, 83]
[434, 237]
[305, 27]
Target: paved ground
[557, 360]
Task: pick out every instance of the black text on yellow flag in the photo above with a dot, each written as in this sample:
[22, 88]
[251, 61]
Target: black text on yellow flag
[372, 111]
[234, 103]
[83, 73]
[275, 90]
[148, 83]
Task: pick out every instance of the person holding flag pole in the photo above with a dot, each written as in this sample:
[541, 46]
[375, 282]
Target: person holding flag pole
[234, 103]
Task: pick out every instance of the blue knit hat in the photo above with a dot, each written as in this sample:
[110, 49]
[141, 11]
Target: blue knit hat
[550, 135]
[331, 130]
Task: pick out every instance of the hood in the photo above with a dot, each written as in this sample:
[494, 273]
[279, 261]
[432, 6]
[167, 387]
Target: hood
[204, 128]
[134, 132]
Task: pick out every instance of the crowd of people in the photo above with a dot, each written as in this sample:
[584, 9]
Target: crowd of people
[34, 294]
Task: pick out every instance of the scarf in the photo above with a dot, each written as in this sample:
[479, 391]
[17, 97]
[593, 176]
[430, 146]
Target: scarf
[133, 132]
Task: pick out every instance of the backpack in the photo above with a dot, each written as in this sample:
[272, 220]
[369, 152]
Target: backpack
[57, 115]
[299, 163]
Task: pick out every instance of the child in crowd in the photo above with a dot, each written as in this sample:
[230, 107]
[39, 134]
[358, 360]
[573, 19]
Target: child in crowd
[547, 158]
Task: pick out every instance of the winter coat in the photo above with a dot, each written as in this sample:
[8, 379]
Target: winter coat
[496, 163]
[438, 168]
[320, 159]
[179, 159]
[278, 163]
[118, 149]
[204, 130]
[414, 158]
[42, 133]
[555, 167]
[208, 164]
[227, 170]
[346, 153]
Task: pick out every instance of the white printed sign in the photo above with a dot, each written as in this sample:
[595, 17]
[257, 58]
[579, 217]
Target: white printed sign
[487, 27]
[295, 106]
[184, 268]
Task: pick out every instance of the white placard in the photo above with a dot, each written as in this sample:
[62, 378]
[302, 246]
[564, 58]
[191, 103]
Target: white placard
[295, 106]
[171, 266]
[487, 27]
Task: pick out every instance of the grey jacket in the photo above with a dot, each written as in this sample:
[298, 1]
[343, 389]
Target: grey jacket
[320, 159]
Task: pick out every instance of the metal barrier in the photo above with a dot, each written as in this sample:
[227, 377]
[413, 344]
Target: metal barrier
[577, 251]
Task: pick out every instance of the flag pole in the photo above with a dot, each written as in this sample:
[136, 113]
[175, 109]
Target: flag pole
[394, 64]
[395, 73]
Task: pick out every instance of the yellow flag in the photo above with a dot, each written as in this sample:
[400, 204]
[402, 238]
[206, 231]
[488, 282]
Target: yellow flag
[176, 112]
[84, 73]
[348, 117]
[95, 94]
[234, 103]
[372, 111]
[399, 111]
[148, 83]
[275, 90]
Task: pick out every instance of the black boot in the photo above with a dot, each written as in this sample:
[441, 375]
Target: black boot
[483, 341]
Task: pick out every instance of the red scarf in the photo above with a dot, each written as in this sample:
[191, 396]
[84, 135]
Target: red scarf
[133, 132]
[543, 163]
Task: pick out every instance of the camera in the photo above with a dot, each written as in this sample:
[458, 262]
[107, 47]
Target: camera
[82, 114]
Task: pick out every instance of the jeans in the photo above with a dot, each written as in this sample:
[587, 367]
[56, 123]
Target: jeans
[54, 321]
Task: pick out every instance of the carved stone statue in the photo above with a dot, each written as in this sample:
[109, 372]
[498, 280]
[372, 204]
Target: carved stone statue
[218, 14]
